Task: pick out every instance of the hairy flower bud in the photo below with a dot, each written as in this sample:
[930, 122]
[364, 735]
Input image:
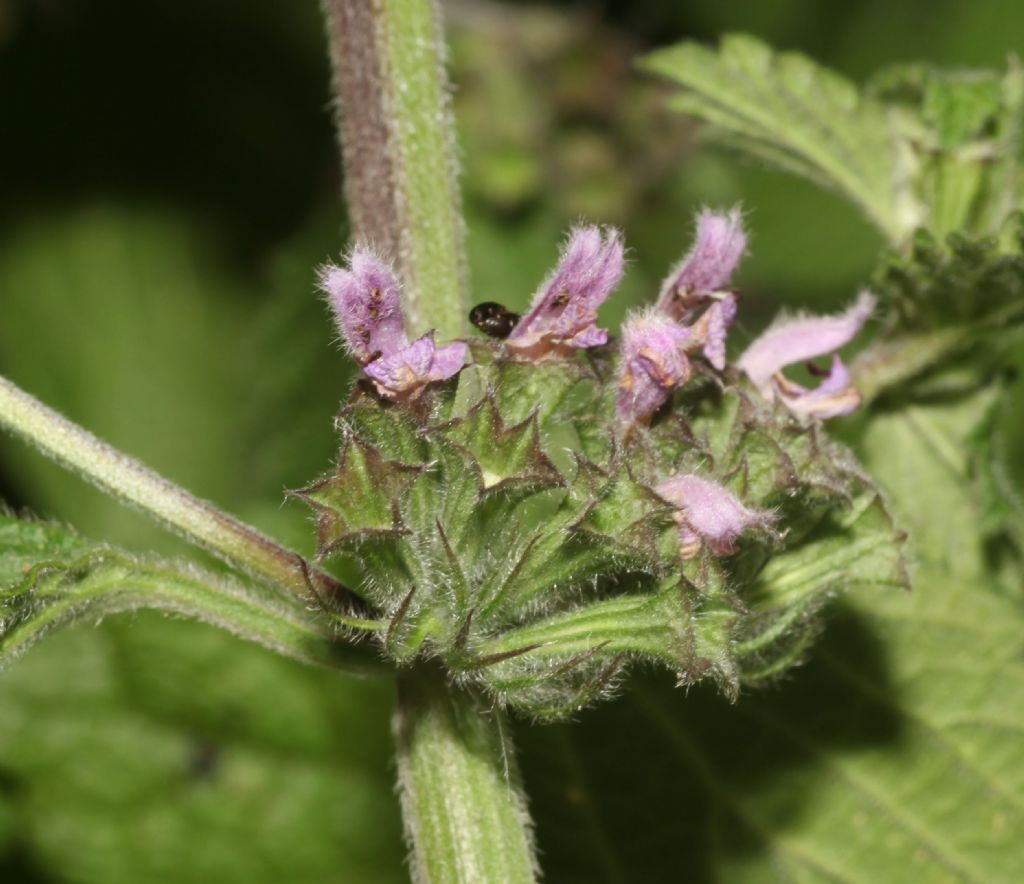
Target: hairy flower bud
[789, 341]
[654, 363]
[564, 310]
[365, 299]
[709, 514]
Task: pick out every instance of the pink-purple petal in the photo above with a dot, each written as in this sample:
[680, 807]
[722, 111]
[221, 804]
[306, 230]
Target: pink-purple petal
[564, 310]
[835, 396]
[790, 341]
[403, 374]
[448, 360]
[716, 321]
[591, 336]
[708, 266]
[365, 300]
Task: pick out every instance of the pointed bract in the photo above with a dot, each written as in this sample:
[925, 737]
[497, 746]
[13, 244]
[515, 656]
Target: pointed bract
[709, 514]
[789, 341]
[367, 306]
[654, 363]
[564, 310]
[707, 267]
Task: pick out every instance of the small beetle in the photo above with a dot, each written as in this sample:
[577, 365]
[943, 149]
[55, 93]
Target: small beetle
[493, 319]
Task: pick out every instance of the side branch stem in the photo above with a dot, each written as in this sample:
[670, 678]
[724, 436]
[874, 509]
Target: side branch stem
[198, 521]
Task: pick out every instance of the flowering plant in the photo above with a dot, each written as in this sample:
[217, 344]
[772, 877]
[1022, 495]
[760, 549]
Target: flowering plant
[537, 512]
[526, 519]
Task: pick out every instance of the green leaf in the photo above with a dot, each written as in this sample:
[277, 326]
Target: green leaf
[170, 752]
[50, 578]
[920, 147]
[785, 109]
[924, 453]
[153, 748]
[898, 747]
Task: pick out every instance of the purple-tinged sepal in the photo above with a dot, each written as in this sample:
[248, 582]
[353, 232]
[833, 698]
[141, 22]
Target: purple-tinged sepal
[705, 271]
[563, 315]
[654, 363]
[709, 515]
[799, 339]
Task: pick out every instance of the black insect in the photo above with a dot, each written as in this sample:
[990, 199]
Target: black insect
[493, 319]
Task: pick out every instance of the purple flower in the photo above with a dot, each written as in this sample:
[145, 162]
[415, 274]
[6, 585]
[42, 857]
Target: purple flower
[654, 363]
[788, 341]
[366, 304]
[564, 310]
[367, 309]
[705, 271]
[408, 370]
[709, 514]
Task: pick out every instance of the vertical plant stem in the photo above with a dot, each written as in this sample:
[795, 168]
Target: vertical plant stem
[465, 812]
[398, 148]
[135, 484]
[464, 809]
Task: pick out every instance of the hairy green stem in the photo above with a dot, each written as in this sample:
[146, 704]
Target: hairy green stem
[464, 808]
[465, 813]
[198, 521]
[55, 593]
[395, 129]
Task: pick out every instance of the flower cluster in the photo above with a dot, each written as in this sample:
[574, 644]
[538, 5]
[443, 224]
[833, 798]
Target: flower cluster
[536, 521]
[691, 317]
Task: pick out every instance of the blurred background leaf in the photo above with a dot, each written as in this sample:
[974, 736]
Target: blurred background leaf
[170, 183]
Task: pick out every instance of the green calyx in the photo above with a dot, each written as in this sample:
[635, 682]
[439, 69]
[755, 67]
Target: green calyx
[508, 529]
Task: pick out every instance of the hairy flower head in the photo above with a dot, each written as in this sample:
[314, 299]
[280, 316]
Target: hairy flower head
[366, 302]
[654, 363]
[563, 315]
